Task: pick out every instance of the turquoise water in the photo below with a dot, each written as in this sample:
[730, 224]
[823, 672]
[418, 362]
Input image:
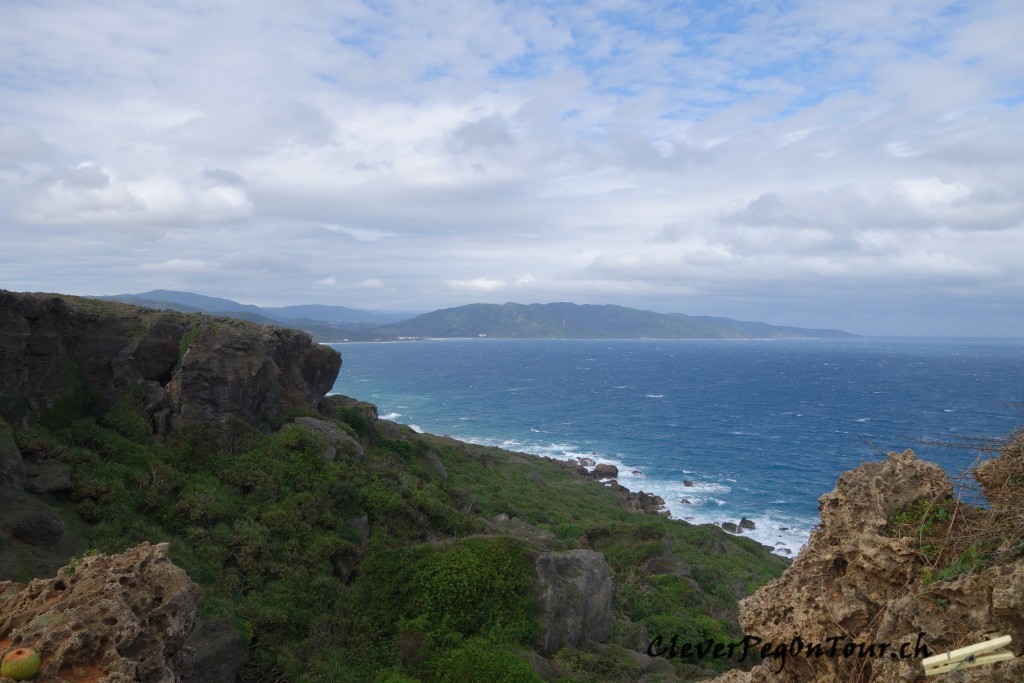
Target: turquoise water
[761, 428]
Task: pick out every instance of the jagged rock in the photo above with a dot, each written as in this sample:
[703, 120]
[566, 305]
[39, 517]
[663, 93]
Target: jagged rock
[605, 471]
[747, 524]
[616, 486]
[731, 528]
[339, 442]
[854, 579]
[687, 482]
[113, 619]
[219, 652]
[12, 467]
[229, 368]
[42, 529]
[586, 462]
[685, 501]
[48, 476]
[642, 501]
[575, 598]
[537, 479]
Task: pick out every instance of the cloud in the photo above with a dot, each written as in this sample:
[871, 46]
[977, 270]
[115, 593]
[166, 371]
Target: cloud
[178, 266]
[788, 161]
[329, 281]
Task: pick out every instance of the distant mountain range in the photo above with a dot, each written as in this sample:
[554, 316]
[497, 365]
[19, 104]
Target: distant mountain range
[511, 320]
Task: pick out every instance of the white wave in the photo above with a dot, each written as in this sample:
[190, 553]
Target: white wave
[654, 395]
[415, 428]
[391, 416]
[864, 419]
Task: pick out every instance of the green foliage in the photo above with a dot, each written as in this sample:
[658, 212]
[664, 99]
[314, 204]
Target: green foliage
[964, 563]
[481, 660]
[270, 532]
[75, 561]
[573, 666]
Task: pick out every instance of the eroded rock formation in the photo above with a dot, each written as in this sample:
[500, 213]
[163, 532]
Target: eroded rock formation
[854, 580]
[116, 619]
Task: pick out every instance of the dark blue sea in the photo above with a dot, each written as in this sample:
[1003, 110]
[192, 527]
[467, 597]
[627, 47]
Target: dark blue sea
[761, 428]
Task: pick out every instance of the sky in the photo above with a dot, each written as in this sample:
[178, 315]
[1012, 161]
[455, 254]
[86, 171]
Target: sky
[855, 165]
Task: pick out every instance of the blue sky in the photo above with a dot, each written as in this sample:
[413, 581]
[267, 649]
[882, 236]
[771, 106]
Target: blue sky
[852, 165]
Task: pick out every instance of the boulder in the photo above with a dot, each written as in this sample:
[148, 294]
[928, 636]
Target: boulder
[605, 471]
[42, 529]
[731, 528]
[112, 619]
[575, 598]
[436, 466]
[48, 476]
[339, 443]
[747, 524]
[687, 482]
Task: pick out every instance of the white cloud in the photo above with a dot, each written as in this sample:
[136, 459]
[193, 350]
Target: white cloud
[641, 153]
[178, 266]
[329, 281]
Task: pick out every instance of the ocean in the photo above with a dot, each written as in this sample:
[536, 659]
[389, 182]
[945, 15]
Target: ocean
[736, 428]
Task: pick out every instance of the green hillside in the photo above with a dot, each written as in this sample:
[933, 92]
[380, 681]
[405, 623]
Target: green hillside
[573, 321]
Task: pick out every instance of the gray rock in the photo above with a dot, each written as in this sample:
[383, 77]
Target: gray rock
[575, 599]
[48, 476]
[731, 528]
[685, 501]
[219, 652]
[747, 524]
[12, 467]
[687, 482]
[41, 529]
[605, 471]
[339, 442]
[434, 460]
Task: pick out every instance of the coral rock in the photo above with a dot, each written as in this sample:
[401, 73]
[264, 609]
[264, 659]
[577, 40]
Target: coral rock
[112, 619]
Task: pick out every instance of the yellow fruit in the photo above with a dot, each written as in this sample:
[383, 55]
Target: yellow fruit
[21, 664]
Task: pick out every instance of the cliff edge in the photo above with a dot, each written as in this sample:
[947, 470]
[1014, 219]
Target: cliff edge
[60, 351]
[897, 560]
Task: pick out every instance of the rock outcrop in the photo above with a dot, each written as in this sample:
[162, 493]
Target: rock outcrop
[117, 619]
[180, 368]
[858, 582]
[575, 597]
[12, 466]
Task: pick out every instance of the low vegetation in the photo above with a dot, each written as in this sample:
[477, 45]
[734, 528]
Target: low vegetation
[954, 537]
[388, 568]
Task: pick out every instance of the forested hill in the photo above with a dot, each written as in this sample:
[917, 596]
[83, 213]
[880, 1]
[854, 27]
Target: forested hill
[574, 321]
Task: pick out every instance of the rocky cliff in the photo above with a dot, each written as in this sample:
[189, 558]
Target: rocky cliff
[62, 350]
[897, 561]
